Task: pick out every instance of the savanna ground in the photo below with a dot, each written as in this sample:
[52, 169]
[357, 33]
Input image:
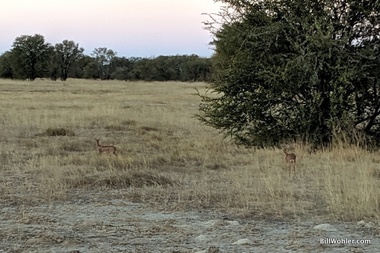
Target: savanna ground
[175, 186]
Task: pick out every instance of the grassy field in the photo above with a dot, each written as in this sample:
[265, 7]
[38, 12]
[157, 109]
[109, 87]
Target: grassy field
[166, 158]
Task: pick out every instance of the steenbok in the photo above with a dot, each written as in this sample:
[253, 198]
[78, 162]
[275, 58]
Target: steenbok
[111, 149]
[290, 159]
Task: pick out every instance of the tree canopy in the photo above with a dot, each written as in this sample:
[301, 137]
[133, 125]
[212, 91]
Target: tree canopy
[29, 54]
[292, 70]
[65, 54]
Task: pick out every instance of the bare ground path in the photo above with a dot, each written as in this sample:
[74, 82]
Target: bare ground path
[97, 223]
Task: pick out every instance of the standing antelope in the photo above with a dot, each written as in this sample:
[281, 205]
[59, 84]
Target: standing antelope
[106, 148]
[290, 160]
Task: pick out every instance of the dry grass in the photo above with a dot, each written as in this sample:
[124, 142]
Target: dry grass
[166, 158]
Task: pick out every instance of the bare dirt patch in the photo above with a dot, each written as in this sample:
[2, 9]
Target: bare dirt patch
[107, 222]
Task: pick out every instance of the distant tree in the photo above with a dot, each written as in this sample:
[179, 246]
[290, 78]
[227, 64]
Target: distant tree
[121, 68]
[103, 58]
[295, 70]
[136, 72]
[79, 67]
[92, 70]
[65, 54]
[143, 69]
[171, 68]
[196, 68]
[165, 68]
[6, 65]
[30, 56]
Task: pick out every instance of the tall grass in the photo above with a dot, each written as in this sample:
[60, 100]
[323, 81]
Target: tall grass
[166, 157]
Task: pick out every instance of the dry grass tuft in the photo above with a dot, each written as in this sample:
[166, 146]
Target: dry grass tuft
[119, 179]
[57, 132]
[165, 157]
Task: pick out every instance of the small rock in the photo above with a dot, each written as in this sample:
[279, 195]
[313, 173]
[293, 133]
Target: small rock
[211, 223]
[360, 223]
[201, 238]
[233, 222]
[242, 242]
[325, 227]
[370, 225]
[363, 224]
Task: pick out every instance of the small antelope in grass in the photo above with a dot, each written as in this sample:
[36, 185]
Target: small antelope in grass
[290, 160]
[106, 148]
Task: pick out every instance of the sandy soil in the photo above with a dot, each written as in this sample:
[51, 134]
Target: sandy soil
[97, 223]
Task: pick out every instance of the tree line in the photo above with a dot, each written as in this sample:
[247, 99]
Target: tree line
[32, 57]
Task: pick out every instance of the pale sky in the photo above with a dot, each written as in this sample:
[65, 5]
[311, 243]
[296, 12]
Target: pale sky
[132, 28]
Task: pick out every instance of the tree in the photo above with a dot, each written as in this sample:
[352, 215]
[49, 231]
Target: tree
[104, 57]
[92, 70]
[30, 55]
[295, 70]
[120, 68]
[65, 54]
[197, 69]
[80, 67]
[6, 65]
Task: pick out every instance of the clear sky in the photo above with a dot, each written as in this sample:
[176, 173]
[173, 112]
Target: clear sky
[132, 28]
